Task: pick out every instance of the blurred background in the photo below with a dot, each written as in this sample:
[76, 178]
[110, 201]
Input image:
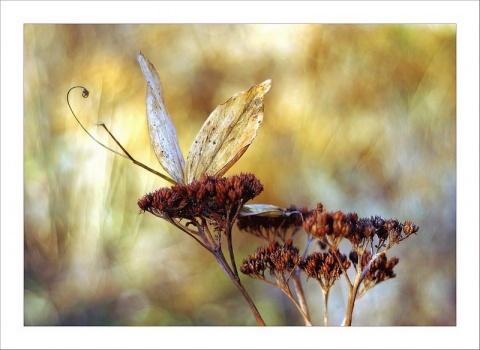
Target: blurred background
[361, 118]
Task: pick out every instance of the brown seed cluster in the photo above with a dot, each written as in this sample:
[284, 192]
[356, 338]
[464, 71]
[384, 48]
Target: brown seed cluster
[380, 270]
[325, 267]
[212, 198]
[332, 227]
[273, 228]
[329, 228]
[279, 259]
[409, 228]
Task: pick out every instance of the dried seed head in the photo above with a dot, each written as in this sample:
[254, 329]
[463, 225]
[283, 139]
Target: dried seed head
[324, 267]
[331, 227]
[409, 228]
[279, 259]
[380, 270]
[213, 198]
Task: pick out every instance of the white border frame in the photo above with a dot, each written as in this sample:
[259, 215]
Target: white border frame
[13, 16]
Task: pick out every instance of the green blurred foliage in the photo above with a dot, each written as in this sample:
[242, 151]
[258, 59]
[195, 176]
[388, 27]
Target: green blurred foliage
[360, 117]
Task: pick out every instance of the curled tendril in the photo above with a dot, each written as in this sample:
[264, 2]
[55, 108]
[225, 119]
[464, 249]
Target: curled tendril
[85, 94]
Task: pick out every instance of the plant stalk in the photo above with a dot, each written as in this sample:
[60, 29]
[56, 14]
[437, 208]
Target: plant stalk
[301, 297]
[236, 280]
[325, 306]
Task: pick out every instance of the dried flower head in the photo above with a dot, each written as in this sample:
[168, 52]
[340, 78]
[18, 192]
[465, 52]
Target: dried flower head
[279, 259]
[380, 269]
[209, 196]
[211, 200]
[331, 227]
[409, 228]
[325, 267]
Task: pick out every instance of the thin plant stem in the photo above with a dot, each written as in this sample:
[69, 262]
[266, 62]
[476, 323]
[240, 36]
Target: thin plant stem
[217, 252]
[223, 263]
[126, 155]
[283, 286]
[230, 244]
[352, 296]
[190, 233]
[326, 293]
[230, 252]
[353, 290]
[301, 296]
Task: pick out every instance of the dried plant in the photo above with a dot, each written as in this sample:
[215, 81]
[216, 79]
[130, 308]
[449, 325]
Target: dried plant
[206, 210]
[205, 205]
[370, 239]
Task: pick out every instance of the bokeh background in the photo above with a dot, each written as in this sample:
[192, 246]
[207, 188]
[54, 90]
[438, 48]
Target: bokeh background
[361, 118]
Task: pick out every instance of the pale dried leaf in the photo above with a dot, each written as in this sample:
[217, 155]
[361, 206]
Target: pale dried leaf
[163, 136]
[264, 210]
[227, 133]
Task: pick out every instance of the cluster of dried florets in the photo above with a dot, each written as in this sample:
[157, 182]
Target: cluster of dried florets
[331, 227]
[278, 259]
[197, 207]
[366, 235]
[380, 269]
[325, 267]
[216, 199]
[217, 202]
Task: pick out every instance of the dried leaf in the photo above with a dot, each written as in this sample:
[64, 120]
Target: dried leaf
[265, 210]
[227, 133]
[222, 140]
[163, 136]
